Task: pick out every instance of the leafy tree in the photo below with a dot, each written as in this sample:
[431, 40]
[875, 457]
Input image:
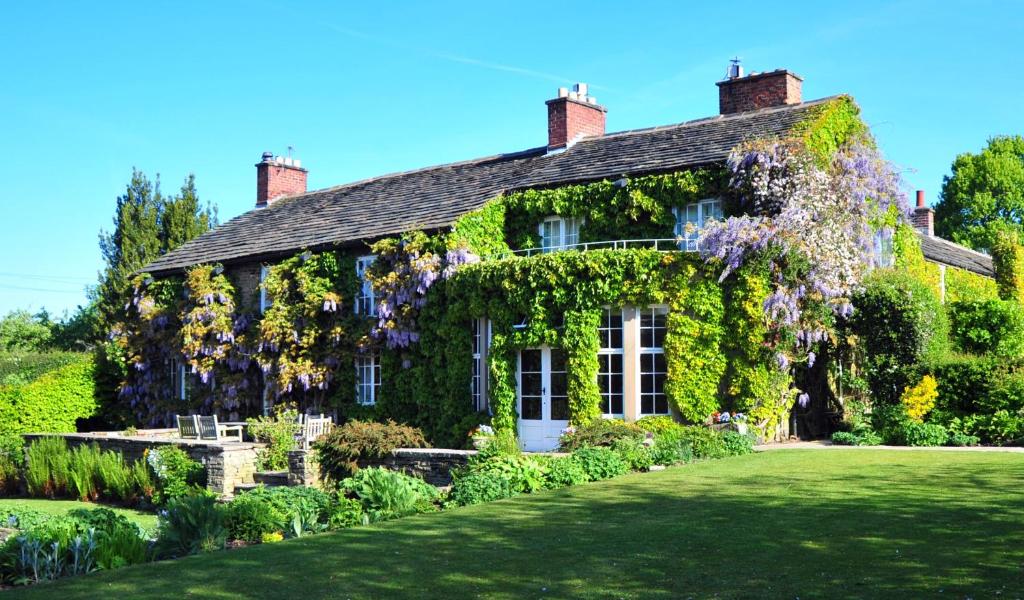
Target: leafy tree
[984, 194]
[21, 330]
[184, 218]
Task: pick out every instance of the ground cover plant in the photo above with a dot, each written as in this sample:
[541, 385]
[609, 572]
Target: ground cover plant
[877, 524]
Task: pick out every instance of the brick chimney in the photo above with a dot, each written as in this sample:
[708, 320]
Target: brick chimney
[924, 216]
[738, 93]
[572, 116]
[277, 177]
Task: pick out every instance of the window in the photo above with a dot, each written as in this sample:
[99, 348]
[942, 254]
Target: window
[180, 381]
[481, 343]
[609, 358]
[652, 361]
[559, 233]
[883, 253]
[365, 304]
[367, 379]
[265, 301]
[691, 218]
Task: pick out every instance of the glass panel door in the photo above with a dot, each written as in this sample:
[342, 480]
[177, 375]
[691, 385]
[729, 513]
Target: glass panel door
[559, 397]
[531, 384]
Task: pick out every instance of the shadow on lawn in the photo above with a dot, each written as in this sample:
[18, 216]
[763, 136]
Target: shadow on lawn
[750, 527]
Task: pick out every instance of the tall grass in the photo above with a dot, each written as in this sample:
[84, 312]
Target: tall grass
[116, 477]
[83, 476]
[48, 467]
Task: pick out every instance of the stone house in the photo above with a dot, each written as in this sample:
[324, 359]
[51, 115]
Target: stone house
[632, 368]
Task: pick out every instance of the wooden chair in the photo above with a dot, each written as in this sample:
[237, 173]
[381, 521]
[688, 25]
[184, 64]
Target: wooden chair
[188, 426]
[209, 429]
[315, 427]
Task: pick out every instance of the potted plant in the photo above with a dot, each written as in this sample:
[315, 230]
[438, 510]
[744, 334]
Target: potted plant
[481, 436]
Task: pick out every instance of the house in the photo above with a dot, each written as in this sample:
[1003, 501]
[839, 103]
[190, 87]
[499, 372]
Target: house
[515, 360]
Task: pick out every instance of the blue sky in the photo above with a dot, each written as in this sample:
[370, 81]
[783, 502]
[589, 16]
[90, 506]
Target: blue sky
[90, 90]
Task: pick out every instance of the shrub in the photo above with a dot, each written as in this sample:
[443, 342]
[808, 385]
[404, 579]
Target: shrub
[600, 462]
[122, 546]
[116, 479]
[48, 465]
[19, 368]
[338, 451]
[189, 525]
[50, 403]
[249, 517]
[704, 442]
[388, 494]
[925, 434]
[12, 460]
[83, 472]
[657, 424]
[346, 512]
[737, 444]
[849, 438]
[982, 397]
[671, 448]
[599, 432]
[278, 432]
[962, 439]
[635, 453]
[478, 487]
[303, 509]
[901, 324]
[177, 475]
[525, 472]
[564, 471]
[919, 400]
[988, 327]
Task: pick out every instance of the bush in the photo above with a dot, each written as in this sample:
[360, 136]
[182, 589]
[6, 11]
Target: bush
[388, 494]
[671, 448]
[346, 512]
[599, 432]
[982, 397]
[525, 472]
[303, 509]
[20, 368]
[48, 466]
[988, 327]
[478, 487]
[925, 434]
[600, 462]
[962, 439]
[278, 432]
[50, 403]
[12, 461]
[657, 424]
[704, 442]
[338, 451]
[737, 444]
[850, 438]
[897, 429]
[177, 475]
[564, 471]
[901, 324]
[635, 453]
[83, 472]
[249, 517]
[919, 400]
[189, 525]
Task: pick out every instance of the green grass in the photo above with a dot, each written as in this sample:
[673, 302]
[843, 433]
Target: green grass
[788, 524]
[146, 520]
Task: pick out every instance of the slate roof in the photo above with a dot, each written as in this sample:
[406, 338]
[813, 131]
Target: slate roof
[948, 253]
[435, 197]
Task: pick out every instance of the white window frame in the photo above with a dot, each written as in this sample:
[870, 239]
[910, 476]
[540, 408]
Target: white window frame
[365, 303]
[648, 351]
[367, 392]
[478, 386]
[705, 210]
[265, 301]
[882, 248]
[607, 351]
[565, 233]
[179, 380]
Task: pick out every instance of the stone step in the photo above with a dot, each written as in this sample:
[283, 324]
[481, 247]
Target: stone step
[271, 478]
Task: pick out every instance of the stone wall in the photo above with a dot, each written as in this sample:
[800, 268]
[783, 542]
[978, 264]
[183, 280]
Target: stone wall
[227, 463]
[434, 465]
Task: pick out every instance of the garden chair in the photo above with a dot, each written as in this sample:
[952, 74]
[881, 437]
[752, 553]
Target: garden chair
[315, 427]
[209, 429]
[188, 426]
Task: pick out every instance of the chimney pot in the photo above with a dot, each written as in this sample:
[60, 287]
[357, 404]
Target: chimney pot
[572, 116]
[920, 198]
[924, 217]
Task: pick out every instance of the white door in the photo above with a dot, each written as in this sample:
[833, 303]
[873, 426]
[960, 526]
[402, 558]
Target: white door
[543, 400]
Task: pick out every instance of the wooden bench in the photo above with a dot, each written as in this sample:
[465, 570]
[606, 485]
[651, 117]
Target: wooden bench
[209, 429]
[313, 428]
[188, 426]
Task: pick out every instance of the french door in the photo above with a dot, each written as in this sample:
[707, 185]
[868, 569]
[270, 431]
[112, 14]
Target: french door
[543, 401]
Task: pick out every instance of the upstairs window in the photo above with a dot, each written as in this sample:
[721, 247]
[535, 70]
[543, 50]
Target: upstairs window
[882, 248]
[265, 301]
[690, 219]
[365, 303]
[181, 383]
[559, 233]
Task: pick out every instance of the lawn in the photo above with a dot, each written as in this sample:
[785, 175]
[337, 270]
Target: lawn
[787, 524]
[146, 520]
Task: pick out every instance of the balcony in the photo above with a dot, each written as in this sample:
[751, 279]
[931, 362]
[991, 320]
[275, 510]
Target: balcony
[660, 245]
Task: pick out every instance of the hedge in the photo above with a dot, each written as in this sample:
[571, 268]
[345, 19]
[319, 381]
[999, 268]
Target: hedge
[50, 403]
[25, 367]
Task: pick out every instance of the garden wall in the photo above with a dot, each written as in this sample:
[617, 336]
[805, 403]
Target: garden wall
[227, 464]
[434, 465]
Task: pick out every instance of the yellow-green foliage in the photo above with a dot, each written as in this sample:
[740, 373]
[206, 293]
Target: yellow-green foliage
[910, 260]
[831, 125]
[482, 231]
[1008, 260]
[965, 285]
[50, 403]
[919, 400]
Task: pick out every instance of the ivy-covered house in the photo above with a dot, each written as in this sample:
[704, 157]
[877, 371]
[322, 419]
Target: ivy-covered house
[540, 288]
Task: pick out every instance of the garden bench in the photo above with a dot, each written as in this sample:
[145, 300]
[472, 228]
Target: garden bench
[209, 429]
[188, 426]
[313, 428]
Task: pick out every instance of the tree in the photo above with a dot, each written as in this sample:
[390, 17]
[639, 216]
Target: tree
[21, 330]
[984, 194]
[183, 218]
